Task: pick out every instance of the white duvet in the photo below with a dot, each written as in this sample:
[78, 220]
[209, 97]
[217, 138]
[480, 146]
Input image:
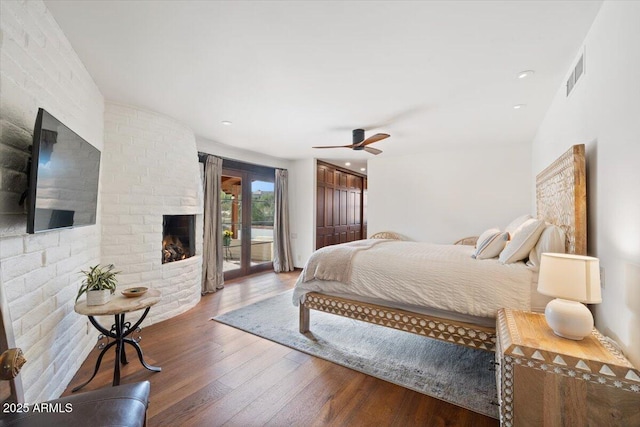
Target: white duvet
[442, 277]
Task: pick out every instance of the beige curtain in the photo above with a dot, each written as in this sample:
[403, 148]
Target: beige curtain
[282, 259]
[212, 268]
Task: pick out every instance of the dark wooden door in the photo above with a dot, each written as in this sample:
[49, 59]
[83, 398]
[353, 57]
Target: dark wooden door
[340, 209]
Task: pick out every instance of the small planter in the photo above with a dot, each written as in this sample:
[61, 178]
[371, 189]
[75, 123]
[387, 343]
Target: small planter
[98, 297]
[99, 282]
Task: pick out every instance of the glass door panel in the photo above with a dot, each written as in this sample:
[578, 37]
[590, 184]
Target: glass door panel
[262, 212]
[247, 212]
[231, 209]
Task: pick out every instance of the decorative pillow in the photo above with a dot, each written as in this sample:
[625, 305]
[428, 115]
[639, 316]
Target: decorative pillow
[516, 223]
[523, 240]
[552, 239]
[490, 244]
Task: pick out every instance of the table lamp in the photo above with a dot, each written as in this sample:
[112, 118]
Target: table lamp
[572, 280]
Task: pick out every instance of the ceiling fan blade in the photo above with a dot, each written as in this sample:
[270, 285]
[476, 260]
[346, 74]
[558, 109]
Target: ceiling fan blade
[375, 138]
[335, 146]
[372, 150]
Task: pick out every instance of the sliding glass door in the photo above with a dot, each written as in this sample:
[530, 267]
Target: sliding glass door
[247, 221]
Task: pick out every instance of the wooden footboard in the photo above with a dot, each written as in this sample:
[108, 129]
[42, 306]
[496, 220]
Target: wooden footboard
[467, 334]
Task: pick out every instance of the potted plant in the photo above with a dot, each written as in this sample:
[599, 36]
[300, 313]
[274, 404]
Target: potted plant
[226, 237]
[99, 283]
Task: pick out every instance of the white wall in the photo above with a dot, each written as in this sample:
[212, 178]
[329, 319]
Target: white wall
[228, 152]
[603, 112]
[39, 274]
[302, 193]
[445, 194]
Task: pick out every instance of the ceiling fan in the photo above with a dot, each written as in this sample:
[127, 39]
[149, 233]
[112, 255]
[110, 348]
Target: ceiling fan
[359, 143]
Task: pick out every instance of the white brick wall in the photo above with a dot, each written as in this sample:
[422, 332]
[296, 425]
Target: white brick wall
[150, 169]
[39, 273]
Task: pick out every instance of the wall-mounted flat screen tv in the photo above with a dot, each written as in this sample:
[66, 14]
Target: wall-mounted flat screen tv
[63, 182]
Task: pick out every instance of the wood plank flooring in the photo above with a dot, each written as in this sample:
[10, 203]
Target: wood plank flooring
[216, 375]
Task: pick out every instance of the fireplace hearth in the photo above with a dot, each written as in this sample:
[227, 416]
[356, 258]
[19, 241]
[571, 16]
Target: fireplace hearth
[178, 240]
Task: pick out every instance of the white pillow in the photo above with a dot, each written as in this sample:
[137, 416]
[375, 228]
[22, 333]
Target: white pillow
[552, 239]
[523, 240]
[490, 244]
[516, 223]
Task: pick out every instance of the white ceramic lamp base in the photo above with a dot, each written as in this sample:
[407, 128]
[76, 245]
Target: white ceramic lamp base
[569, 319]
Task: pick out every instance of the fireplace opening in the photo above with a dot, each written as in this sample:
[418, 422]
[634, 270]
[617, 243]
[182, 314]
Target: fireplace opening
[178, 240]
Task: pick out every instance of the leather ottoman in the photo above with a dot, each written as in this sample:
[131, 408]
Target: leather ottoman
[123, 405]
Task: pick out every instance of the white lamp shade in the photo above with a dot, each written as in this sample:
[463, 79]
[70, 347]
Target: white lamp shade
[570, 277]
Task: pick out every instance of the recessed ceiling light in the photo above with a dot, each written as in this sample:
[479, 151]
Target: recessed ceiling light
[524, 74]
[519, 106]
[347, 164]
[363, 169]
[226, 123]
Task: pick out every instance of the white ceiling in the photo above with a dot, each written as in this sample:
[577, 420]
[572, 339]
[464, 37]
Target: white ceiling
[294, 74]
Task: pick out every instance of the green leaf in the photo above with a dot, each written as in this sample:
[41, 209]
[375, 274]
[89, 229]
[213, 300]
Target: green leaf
[98, 278]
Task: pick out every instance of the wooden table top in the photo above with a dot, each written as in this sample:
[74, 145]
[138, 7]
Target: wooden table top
[530, 332]
[119, 304]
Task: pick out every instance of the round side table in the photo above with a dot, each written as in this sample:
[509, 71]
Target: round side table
[120, 330]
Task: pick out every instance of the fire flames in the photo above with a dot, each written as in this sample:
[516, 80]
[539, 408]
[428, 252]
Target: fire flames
[173, 250]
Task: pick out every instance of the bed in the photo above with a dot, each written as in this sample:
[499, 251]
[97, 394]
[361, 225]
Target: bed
[440, 291]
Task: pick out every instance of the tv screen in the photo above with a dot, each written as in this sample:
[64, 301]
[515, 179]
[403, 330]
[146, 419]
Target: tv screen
[63, 182]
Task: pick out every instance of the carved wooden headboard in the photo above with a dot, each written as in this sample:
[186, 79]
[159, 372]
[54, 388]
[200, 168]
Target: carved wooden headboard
[561, 197]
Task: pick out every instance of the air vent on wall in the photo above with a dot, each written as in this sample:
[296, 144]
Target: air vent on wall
[576, 73]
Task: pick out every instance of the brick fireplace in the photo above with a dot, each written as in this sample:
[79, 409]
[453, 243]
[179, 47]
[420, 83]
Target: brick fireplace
[142, 204]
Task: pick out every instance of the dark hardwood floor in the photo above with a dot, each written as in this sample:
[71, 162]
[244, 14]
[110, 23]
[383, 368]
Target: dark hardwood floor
[214, 375]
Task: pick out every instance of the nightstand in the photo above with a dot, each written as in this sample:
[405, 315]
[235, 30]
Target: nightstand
[546, 380]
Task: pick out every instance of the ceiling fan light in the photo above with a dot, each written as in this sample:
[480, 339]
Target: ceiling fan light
[358, 136]
[359, 143]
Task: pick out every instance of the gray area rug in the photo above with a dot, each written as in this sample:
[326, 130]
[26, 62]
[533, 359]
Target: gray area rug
[449, 372]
